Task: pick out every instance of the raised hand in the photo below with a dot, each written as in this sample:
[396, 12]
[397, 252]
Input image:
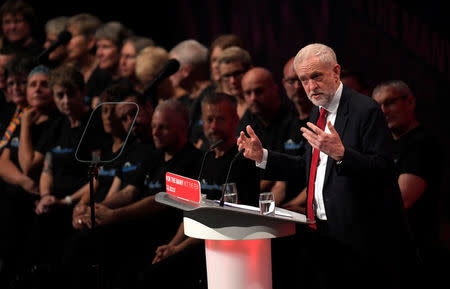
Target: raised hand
[252, 145]
[30, 116]
[328, 143]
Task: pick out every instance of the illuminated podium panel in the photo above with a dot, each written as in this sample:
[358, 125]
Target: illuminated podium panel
[237, 239]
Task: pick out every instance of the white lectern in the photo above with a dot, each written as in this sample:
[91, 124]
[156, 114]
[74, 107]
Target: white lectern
[237, 239]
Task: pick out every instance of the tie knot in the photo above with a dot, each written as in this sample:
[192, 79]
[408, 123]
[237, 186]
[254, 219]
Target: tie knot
[323, 112]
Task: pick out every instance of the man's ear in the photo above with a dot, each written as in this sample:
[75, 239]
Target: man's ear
[412, 102]
[337, 71]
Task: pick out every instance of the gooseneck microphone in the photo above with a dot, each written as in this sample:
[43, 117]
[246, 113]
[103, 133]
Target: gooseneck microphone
[213, 146]
[228, 174]
[63, 38]
[169, 68]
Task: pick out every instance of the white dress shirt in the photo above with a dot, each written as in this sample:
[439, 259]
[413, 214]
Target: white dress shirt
[319, 206]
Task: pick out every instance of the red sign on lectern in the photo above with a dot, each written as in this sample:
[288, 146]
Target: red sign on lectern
[183, 187]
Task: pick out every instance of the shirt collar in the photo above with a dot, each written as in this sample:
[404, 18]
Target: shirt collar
[332, 107]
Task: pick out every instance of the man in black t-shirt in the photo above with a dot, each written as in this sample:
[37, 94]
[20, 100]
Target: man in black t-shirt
[418, 172]
[134, 222]
[219, 117]
[277, 126]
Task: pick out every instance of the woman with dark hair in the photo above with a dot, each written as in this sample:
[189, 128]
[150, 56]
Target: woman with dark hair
[18, 19]
[127, 63]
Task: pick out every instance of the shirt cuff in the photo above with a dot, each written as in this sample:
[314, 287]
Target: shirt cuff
[263, 163]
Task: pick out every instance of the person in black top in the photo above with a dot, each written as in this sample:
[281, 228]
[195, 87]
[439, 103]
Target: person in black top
[296, 190]
[18, 22]
[80, 52]
[110, 152]
[131, 221]
[63, 175]
[20, 170]
[220, 119]
[418, 173]
[276, 125]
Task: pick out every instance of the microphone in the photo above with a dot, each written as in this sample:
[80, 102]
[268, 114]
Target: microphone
[63, 38]
[228, 174]
[169, 68]
[213, 146]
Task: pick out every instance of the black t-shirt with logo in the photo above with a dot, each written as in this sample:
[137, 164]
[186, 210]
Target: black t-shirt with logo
[150, 179]
[134, 157]
[282, 135]
[61, 141]
[243, 172]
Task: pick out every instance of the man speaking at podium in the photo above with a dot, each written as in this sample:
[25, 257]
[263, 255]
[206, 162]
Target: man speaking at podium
[360, 237]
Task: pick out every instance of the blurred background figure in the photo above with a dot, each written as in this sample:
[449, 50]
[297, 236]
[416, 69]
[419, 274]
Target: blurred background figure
[53, 28]
[419, 174]
[191, 79]
[81, 53]
[355, 81]
[216, 47]
[149, 64]
[19, 21]
[127, 63]
[109, 41]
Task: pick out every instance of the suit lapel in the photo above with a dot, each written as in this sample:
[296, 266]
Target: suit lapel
[308, 150]
[339, 124]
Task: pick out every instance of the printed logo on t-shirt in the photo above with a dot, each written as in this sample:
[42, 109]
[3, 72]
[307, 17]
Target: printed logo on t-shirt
[60, 150]
[103, 172]
[128, 167]
[151, 184]
[205, 186]
[15, 142]
[290, 145]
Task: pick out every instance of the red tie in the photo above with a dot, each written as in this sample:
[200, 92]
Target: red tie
[312, 172]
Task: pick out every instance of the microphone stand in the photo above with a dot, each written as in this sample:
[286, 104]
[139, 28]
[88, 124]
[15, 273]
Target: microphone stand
[93, 173]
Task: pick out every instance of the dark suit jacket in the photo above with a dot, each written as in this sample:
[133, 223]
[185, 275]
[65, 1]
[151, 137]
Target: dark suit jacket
[362, 199]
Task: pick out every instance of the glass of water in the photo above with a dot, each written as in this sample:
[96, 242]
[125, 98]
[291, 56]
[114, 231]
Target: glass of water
[230, 193]
[267, 204]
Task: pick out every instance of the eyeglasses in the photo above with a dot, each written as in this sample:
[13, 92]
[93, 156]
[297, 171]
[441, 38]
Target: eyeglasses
[236, 74]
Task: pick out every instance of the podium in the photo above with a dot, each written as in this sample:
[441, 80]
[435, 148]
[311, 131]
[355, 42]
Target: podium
[237, 239]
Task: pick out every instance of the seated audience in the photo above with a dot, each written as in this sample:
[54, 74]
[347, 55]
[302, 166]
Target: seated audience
[20, 171]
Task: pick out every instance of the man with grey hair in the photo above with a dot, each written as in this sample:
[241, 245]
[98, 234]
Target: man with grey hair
[412, 144]
[352, 196]
[192, 77]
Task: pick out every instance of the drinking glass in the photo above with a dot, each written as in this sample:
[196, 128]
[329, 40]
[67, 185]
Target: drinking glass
[230, 193]
[267, 204]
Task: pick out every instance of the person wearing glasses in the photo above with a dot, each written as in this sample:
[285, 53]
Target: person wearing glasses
[233, 63]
